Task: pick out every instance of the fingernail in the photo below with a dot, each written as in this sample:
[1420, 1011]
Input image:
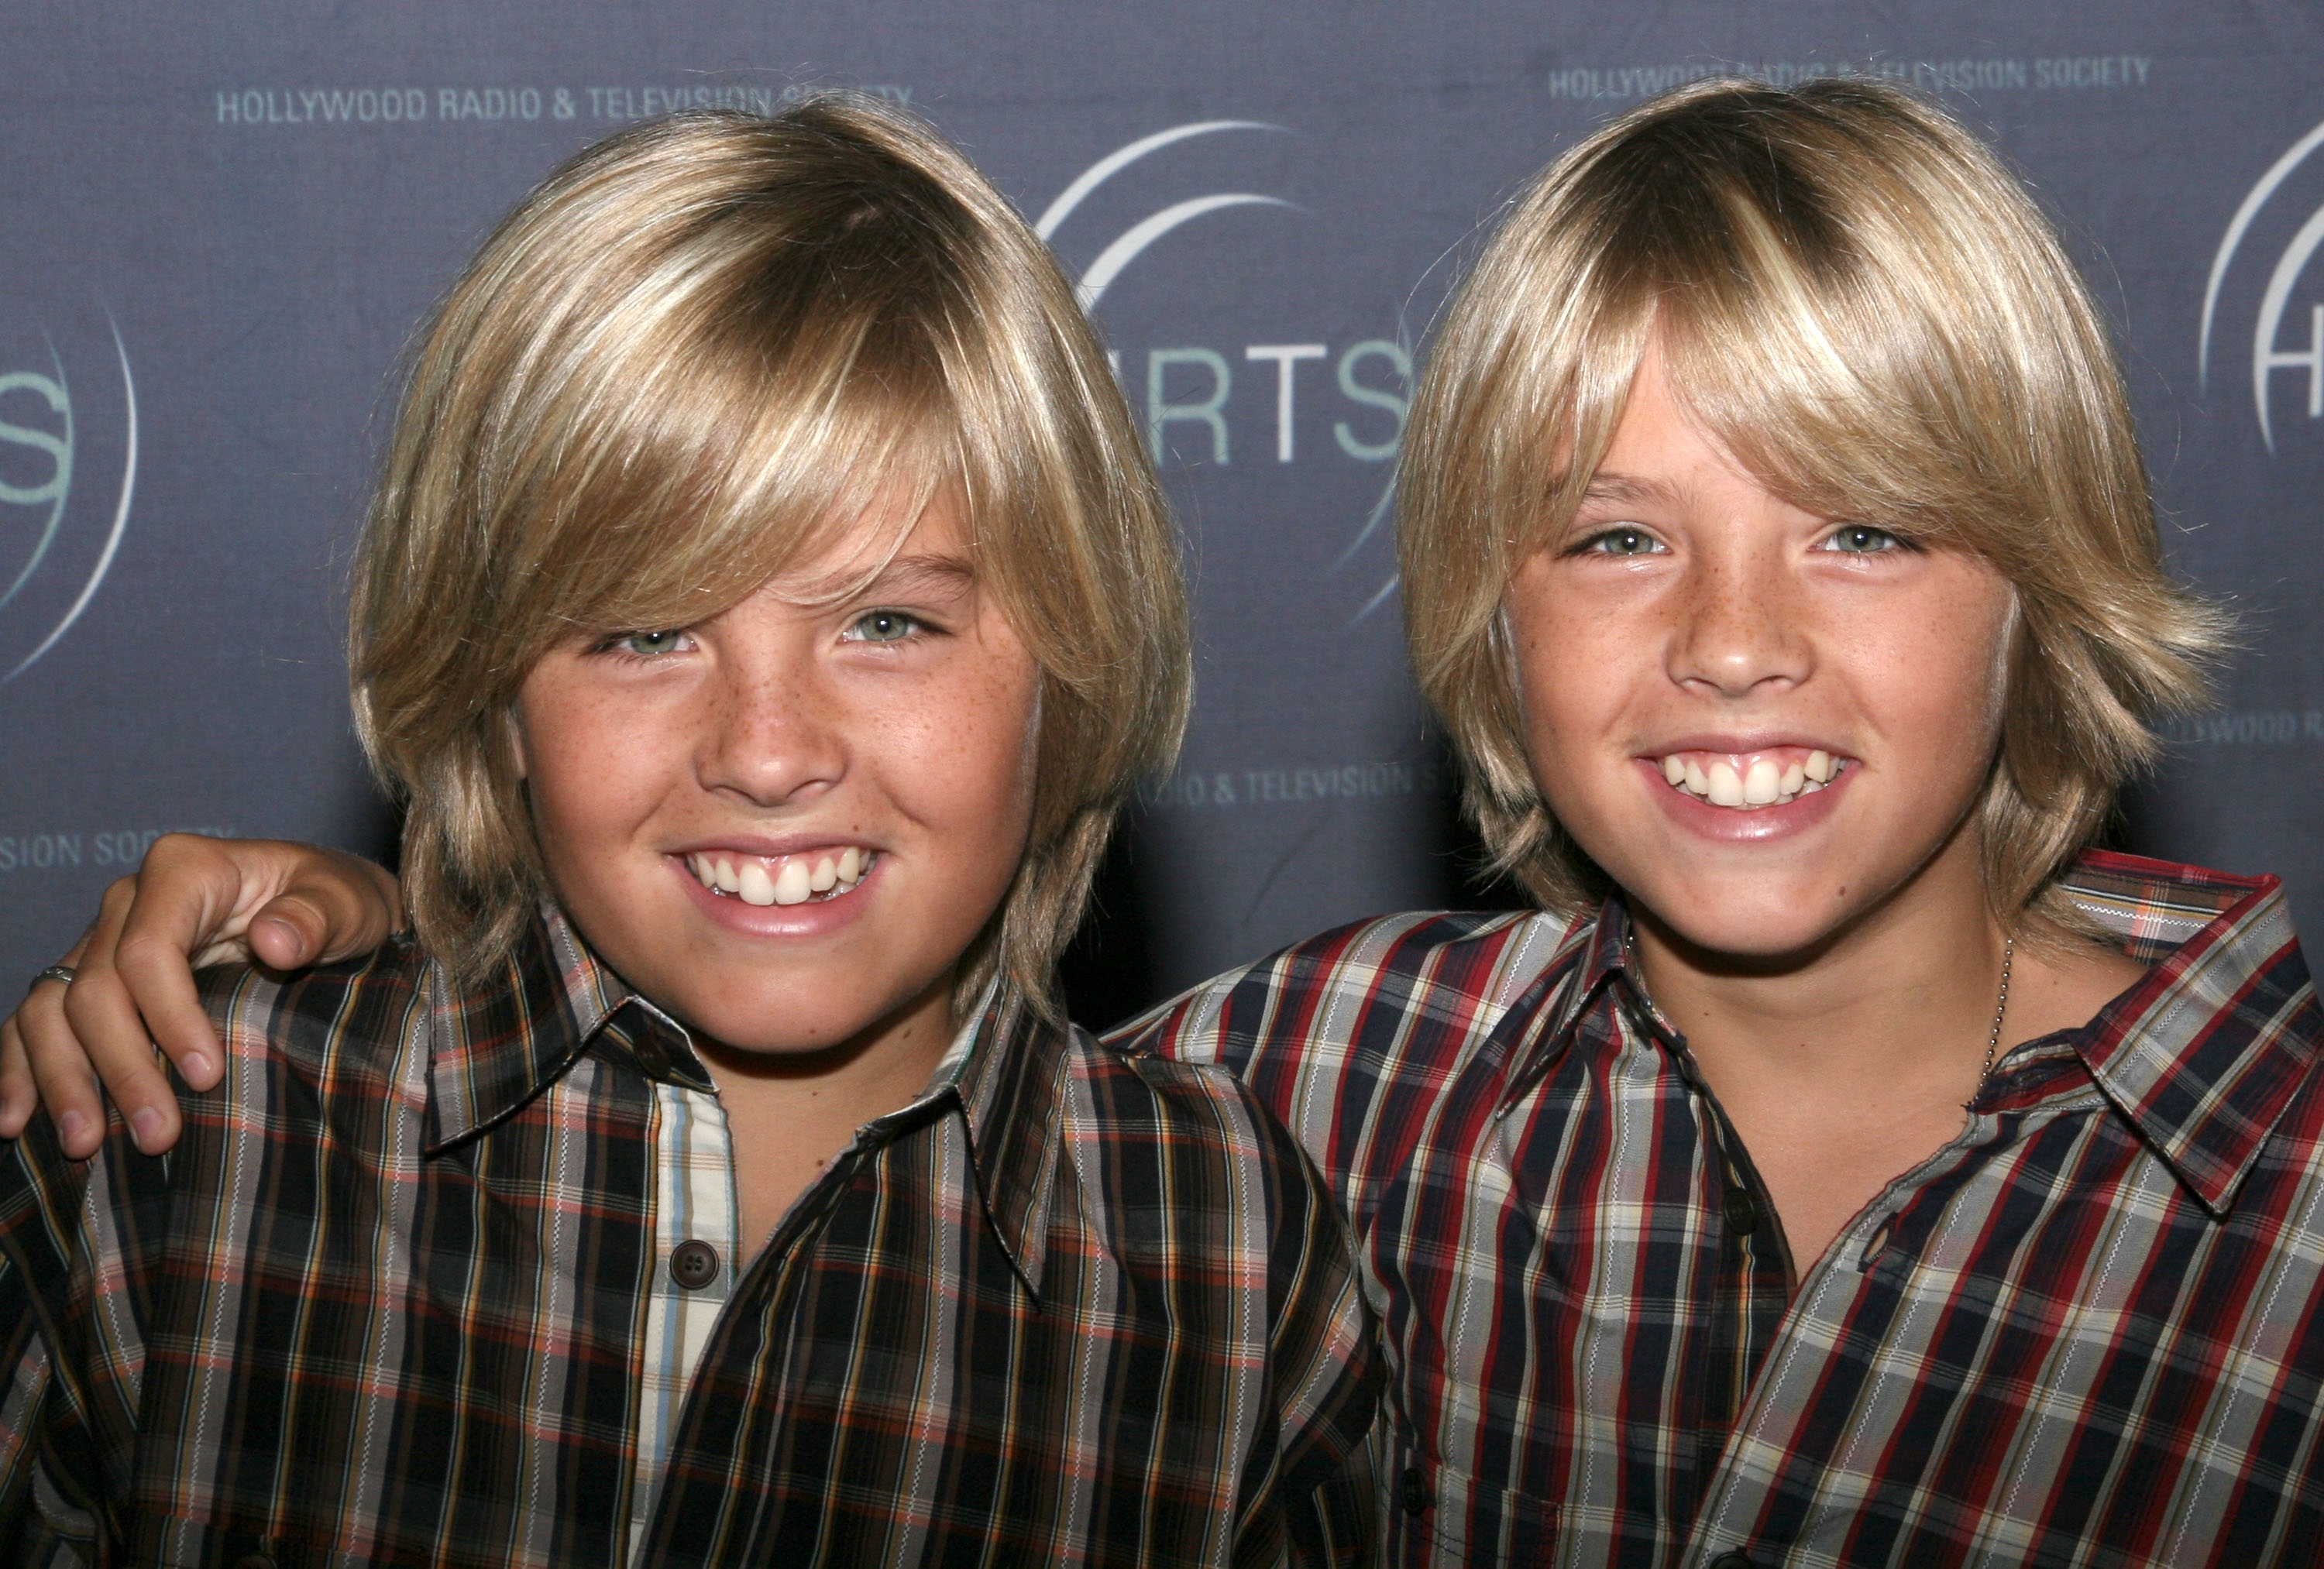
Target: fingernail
[71, 1127]
[198, 1065]
[148, 1124]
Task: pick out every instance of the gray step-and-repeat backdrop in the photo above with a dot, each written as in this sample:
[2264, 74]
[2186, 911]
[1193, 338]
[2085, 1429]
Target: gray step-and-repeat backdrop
[220, 224]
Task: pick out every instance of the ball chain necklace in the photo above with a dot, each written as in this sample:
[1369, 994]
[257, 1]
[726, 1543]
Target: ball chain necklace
[1992, 1040]
[2000, 1007]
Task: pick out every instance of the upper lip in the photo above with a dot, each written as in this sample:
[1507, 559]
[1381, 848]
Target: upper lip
[772, 848]
[1764, 742]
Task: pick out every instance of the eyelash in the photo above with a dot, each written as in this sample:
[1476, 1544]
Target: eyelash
[615, 644]
[1598, 544]
[1595, 544]
[912, 625]
[1897, 541]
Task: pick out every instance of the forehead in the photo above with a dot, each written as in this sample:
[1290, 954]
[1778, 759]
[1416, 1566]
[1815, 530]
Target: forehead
[1661, 448]
[915, 531]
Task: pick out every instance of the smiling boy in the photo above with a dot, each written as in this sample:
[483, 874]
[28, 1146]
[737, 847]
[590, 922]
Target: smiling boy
[765, 610]
[1845, 1165]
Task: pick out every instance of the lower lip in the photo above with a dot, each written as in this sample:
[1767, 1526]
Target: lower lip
[1755, 825]
[809, 918]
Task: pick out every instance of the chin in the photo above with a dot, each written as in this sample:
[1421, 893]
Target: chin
[771, 1020]
[1755, 922]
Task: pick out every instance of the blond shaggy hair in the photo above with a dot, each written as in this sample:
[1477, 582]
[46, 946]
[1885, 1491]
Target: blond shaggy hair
[1856, 298]
[697, 351]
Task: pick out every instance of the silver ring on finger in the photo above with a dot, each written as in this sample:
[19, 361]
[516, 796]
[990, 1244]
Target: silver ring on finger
[55, 972]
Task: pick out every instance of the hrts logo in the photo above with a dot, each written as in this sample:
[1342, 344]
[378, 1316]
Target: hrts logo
[1373, 375]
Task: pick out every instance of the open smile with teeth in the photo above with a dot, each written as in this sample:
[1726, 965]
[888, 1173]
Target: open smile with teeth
[816, 875]
[1748, 781]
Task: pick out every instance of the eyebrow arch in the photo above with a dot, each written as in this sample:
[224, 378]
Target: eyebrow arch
[1623, 490]
[905, 575]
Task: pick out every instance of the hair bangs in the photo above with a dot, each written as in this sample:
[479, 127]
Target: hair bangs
[706, 457]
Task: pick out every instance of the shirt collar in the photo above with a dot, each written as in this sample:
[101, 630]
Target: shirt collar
[493, 1046]
[1541, 1019]
[1013, 1086]
[2204, 1054]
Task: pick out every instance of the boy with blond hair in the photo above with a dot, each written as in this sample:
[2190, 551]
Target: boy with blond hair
[765, 610]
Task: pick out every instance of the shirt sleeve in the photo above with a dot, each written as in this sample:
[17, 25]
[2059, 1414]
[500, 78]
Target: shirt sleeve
[48, 1462]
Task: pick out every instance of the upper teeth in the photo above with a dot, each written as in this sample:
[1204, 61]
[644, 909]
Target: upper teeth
[1757, 779]
[795, 879]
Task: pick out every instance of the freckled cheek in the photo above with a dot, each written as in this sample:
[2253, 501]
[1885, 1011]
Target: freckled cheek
[597, 771]
[957, 757]
[1577, 676]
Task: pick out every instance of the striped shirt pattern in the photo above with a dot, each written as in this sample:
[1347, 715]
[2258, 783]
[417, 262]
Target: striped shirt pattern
[693, 1201]
[392, 1298]
[2088, 1330]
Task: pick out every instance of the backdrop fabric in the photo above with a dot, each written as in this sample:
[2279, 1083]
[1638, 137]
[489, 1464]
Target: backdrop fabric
[223, 223]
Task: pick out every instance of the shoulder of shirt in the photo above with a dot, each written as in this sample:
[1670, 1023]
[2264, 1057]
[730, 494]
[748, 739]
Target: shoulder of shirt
[1221, 1144]
[340, 1011]
[1143, 1093]
[1140, 1097]
[1477, 958]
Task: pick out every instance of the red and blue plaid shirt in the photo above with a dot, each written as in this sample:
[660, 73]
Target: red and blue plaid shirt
[2085, 1331]
[389, 1302]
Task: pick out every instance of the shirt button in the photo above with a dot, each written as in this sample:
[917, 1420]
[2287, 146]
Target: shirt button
[694, 1264]
[1412, 1491]
[1742, 1210]
[1736, 1559]
[654, 1057]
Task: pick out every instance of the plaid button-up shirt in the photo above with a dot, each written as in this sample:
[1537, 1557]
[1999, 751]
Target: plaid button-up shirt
[401, 1294]
[2088, 1330]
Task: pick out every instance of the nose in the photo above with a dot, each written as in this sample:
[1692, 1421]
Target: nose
[773, 735]
[1739, 632]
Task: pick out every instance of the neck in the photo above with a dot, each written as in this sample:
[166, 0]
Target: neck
[1904, 993]
[879, 1070]
[790, 1112]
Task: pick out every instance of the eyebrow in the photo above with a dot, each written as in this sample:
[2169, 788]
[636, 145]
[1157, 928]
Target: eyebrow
[905, 575]
[1624, 488]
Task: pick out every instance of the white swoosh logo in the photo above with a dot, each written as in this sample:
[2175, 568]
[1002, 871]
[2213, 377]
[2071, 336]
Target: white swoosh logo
[1146, 231]
[1114, 162]
[2257, 199]
[2271, 312]
[120, 517]
[1133, 240]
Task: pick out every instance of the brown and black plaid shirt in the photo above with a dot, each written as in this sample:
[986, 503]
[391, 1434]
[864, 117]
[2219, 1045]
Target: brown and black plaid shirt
[389, 1301]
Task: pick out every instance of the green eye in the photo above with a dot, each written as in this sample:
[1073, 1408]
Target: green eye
[1625, 542]
[882, 627]
[650, 645]
[1861, 539]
